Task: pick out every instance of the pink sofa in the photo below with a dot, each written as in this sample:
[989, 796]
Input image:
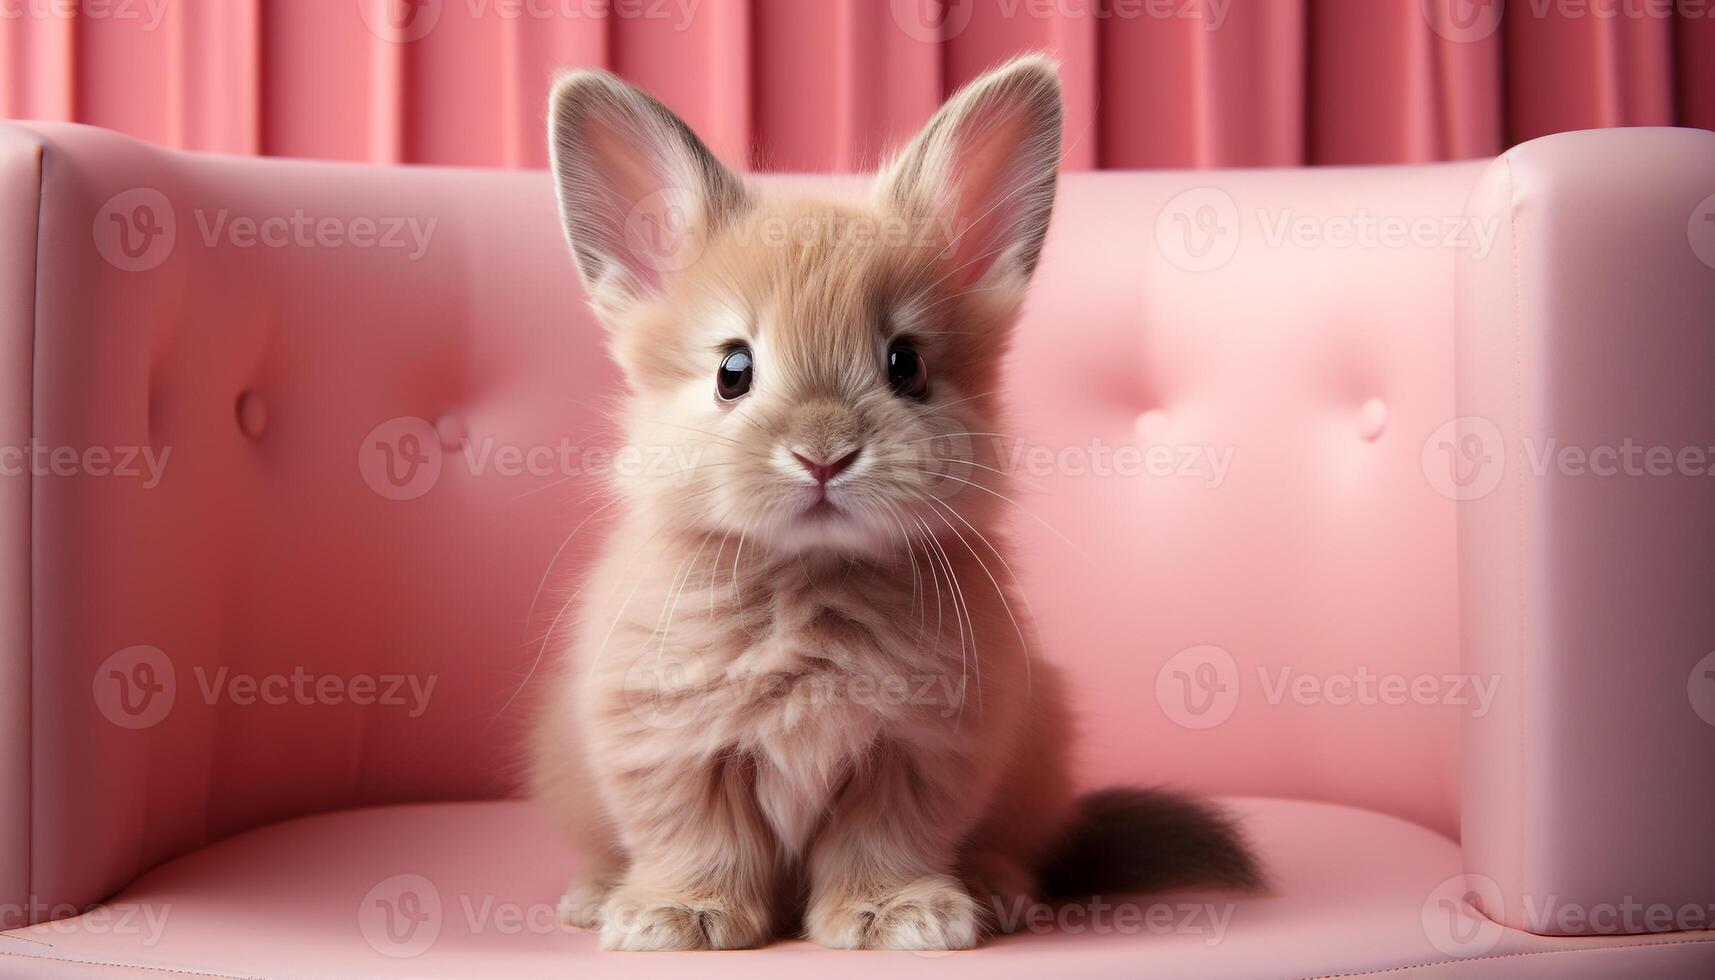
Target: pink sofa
[1342, 491]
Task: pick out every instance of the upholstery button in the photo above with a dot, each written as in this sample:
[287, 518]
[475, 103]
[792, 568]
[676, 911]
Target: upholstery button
[1372, 419]
[252, 414]
[452, 431]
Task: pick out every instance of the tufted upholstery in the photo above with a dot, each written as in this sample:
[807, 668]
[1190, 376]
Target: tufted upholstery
[1233, 393]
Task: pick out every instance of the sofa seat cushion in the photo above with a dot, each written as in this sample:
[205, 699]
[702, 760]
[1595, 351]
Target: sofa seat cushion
[469, 889]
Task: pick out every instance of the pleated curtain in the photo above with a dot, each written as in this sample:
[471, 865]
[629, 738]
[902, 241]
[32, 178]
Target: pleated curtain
[828, 85]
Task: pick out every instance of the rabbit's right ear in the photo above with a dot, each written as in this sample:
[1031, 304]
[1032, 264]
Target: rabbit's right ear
[639, 192]
[985, 168]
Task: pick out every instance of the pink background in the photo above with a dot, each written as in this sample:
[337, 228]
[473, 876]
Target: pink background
[820, 85]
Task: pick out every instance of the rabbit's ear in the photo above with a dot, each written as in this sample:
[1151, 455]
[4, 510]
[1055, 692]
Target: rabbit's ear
[984, 169]
[639, 192]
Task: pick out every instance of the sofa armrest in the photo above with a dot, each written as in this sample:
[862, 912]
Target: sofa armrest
[223, 605]
[1582, 461]
[20, 195]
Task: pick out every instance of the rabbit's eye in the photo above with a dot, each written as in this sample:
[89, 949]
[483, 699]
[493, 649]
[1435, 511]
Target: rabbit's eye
[734, 377]
[906, 372]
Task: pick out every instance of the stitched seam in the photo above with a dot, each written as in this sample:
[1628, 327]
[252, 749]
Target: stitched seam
[1509, 956]
[29, 654]
[169, 970]
[1523, 620]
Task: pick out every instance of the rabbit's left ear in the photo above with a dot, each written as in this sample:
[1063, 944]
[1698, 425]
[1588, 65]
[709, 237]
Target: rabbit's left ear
[984, 169]
[639, 192]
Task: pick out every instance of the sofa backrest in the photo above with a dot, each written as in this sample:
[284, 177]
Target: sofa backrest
[305, 439]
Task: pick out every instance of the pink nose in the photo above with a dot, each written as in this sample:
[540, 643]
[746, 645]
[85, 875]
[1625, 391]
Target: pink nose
[823, 472]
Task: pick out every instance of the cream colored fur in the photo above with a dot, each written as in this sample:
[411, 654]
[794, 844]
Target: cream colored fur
[768, 720]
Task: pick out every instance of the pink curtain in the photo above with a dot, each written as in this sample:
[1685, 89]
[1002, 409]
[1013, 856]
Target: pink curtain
[828, 84]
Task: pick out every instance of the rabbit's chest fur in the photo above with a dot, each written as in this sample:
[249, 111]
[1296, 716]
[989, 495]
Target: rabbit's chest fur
[797, 674]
